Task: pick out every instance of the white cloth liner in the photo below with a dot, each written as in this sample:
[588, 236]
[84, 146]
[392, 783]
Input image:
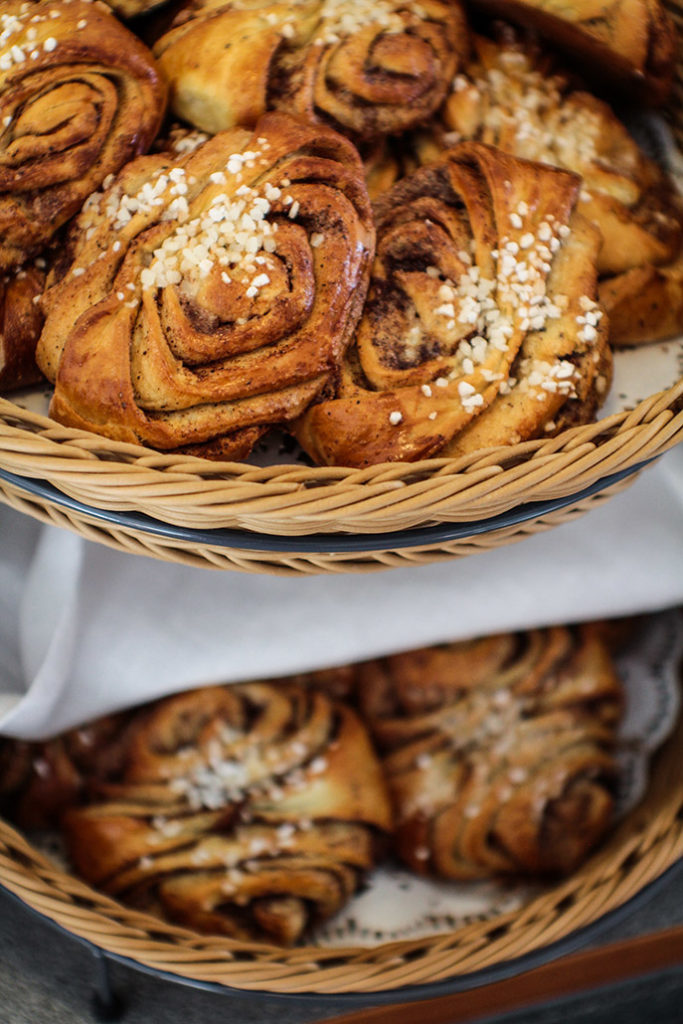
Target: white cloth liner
[86, 630]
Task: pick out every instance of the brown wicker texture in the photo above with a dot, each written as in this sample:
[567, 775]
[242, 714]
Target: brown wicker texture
[647, 842]
[130, 540]
[295, 500]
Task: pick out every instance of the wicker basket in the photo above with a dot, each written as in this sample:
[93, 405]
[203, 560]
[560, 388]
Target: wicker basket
[291, 557]
[290, 501]
[647, 842]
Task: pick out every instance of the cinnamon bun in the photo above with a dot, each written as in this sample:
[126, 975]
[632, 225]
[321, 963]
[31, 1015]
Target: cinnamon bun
[250, 810]
[482, 309]
[512, 96]
[367, 69]
[79, 96]
[204, 297]
[627, 46]
[498, 753]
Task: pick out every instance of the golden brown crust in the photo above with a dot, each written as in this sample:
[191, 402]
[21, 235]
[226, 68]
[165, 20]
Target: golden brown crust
[644, 304]
[133, 8]
[539, 401]
[627, 44]
[384, 164]
[593, 381]
[366, 69]
[248, 810]
[234, 447]
[497, 752]
[483, 271]
[88, 101]
[21, 320]
[512, 96]
[179, 139]
[210, 295]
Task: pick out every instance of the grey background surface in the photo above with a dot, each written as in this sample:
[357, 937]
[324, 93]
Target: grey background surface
[47, 977]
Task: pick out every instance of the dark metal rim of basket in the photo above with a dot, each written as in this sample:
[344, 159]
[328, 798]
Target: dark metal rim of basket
[317, 543]
[109, 1005]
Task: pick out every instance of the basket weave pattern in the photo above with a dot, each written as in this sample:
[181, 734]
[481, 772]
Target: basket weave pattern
[295, 563]
[648, 841]
[294, 500]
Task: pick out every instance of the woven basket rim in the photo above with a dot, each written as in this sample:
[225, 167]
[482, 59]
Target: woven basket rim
[196, 549]
[568, 944]
[644, 845]
[291, 499]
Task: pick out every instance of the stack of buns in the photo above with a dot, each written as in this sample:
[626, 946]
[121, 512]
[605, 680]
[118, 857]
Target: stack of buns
[256, 810]
[393, 230]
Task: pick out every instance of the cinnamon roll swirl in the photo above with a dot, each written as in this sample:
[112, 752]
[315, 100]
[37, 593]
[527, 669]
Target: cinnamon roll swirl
[498, 752]
[482, 307]
[367, 69]
[251, 811]
[79, 96]
[207, 296]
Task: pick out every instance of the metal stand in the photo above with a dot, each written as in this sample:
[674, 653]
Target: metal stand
[107, 1004]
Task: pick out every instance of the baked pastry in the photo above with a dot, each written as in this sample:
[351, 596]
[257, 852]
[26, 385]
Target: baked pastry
[79, 96]
[644, 303]
[512, 96]
[179, 139]
[367, 69]
[36, 782]
[481, 308]
[133, 8]
[250, 810]
[383, 165]
[622, 44]
[498, 752]
[40, 780]
[205, 297]
[20, 323]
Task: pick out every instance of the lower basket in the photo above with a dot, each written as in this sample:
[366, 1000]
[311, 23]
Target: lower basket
[645, 845]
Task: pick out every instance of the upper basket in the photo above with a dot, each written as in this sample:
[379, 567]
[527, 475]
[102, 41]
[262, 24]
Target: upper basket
[573, 470]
